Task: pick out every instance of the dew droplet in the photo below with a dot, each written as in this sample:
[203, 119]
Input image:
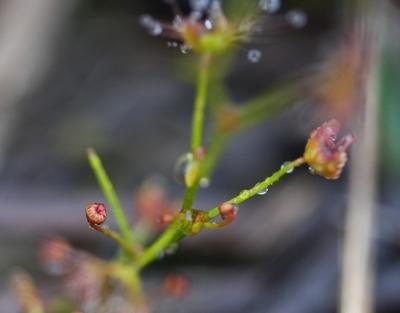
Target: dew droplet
[172, 249]
[153, 27]
[311, 170]
[208, 24]
[262, 192]
[172, 44]
[185, 48]
[254, 55]
[297, 18]
[156, 29]
[290, 169]
[181, 167]
[178, 22]
[270, 6]
[199, 5]
[188, 216]
[204, 182]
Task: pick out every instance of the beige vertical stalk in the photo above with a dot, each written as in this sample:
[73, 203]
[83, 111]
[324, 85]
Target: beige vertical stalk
[358, 268]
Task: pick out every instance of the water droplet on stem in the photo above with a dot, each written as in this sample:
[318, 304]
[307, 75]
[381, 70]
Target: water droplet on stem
[254, 55]
[289, 170]
[172, 249]
[269, 6]
[181, 167]
[297, 18]
[204, 182]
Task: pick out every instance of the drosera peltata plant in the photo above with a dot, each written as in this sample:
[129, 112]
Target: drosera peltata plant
[209, 35]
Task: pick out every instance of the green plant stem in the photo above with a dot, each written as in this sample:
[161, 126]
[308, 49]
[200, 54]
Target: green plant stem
[127, 248]
[174, 234]
[129, 276]
[189, 196]
[207, 165]
[214, 151]
[154, 251]
[259, 187]
[110, 195]
[259, 108]
[200, 102]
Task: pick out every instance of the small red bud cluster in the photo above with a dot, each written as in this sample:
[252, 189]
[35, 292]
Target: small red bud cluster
[96, 213]
[324, 155]
[227, 211]
[176, 285]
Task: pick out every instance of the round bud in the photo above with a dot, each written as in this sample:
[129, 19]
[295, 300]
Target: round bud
[96, 213]
[166, 218]
[227, 211]
[176, 285]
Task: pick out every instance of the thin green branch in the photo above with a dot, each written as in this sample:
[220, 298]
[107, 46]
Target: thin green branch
[110, 195]
[200, 102]
[259, 108]
[125, 246]
[129, 276]
[156, 250]
[189, 196]
[259, 187]
[214, 151]
[173, 233]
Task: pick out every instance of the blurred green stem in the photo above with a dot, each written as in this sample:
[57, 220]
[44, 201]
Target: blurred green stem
[154, 251]
[259, 108]
[126, 247]
[110, 195]
[259, 187]
[200, 101]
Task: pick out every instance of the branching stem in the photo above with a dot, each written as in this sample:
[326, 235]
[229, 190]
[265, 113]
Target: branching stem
[259, 187]
[200, 102]
[110, 195]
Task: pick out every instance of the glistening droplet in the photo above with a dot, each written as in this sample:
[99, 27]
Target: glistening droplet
[188, 216]
[181, 167]
[204, 182]
[185, 48]
[297, 18]
[199, 5]
[263, 192]
[153, 27]
[208, 24]
[290, 169]
[254, 55]
[172, 44]
[270, 6]
[172, 249]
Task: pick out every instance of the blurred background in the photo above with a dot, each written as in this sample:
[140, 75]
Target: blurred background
[78, 74]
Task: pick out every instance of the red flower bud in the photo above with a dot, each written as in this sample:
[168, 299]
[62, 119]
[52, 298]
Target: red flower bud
[57, 255]
[324, 156]
[167, 218]
[227, 211]
[176, 285]
[96, 213]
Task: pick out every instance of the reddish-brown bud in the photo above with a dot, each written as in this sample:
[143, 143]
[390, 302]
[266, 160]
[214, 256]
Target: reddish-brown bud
[167, 218]
[228, 120]
[96, 213]
[56, 255]
[227, 211]
[176, 285]
[324, 156]
[199, 153]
